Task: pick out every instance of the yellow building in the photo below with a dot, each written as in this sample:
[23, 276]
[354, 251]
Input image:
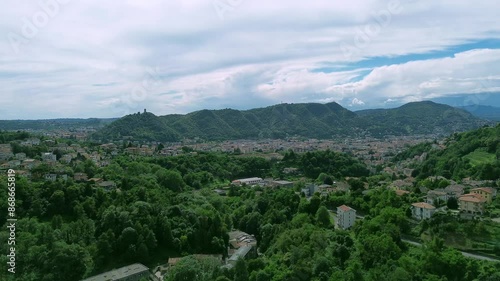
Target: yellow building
[471, 203]
[487, 193]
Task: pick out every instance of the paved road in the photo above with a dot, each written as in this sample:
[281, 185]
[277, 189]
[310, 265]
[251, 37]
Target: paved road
[469, 255]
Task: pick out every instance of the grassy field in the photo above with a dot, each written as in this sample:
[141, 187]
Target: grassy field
[480, 157]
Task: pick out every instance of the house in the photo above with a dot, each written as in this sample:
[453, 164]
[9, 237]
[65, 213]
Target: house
[422, 210]
[455, 190]
[108, 185]
[49, 157]
[80, 177]
[66, 158]
[96, 180]
[346, 216]
[436, 195]
[50, 177]
[29, 164]
[134, 272]
[31, 142]
[485, 192]
[248, 181]
[309, 190]
[472, 203]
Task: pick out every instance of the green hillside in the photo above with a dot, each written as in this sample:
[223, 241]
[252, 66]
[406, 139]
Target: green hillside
[418, 118]
[312, 120]
[471, 154]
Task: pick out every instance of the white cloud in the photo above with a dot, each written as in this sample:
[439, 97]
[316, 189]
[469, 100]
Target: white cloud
[89, 57]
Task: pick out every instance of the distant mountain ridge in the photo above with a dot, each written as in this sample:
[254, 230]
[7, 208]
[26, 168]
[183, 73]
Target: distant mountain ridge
[311, 120]
[54, 124]
[483, 111]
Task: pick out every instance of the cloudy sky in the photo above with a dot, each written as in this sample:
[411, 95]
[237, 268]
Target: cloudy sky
[68, 58]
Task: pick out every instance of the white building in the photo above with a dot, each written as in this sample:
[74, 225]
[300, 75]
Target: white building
[249, 181]
[434, 196]
[49, 157]
[345, 216]
[422, 210]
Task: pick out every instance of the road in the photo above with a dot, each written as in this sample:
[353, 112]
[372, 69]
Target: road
[469, 255]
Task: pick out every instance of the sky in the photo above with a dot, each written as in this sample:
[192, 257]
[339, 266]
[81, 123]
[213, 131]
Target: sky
[81, 59]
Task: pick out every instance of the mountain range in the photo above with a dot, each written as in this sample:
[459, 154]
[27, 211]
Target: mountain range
[311, 120]
[483, 111]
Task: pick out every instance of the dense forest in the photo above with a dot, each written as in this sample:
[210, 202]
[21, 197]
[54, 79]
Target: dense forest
[312, 120]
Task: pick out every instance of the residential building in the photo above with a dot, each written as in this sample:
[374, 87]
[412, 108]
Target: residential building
[50, 177]
[49, 157]
[134, 272]
[346, 216]
[433, 196]
[96, 180]
[249, 181]
[472, 203]
[32, 141]
[455, 190]
[80, 177]
[29, 164]
[108, 185]
[422, 210]
[485, 192]
[310, 189]
[66, 158]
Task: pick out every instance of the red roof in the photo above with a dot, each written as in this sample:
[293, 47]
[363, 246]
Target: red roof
[472, 197]
[345, 208]
[423, 205]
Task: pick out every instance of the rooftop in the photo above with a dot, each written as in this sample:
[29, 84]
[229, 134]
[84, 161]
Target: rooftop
[484, 189]
[423, 205]
[122, 272]
[345, 208]
[471, 197]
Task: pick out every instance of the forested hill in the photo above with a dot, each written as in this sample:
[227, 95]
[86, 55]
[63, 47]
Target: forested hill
[418, 118]
[312, 120]
[473, 154]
